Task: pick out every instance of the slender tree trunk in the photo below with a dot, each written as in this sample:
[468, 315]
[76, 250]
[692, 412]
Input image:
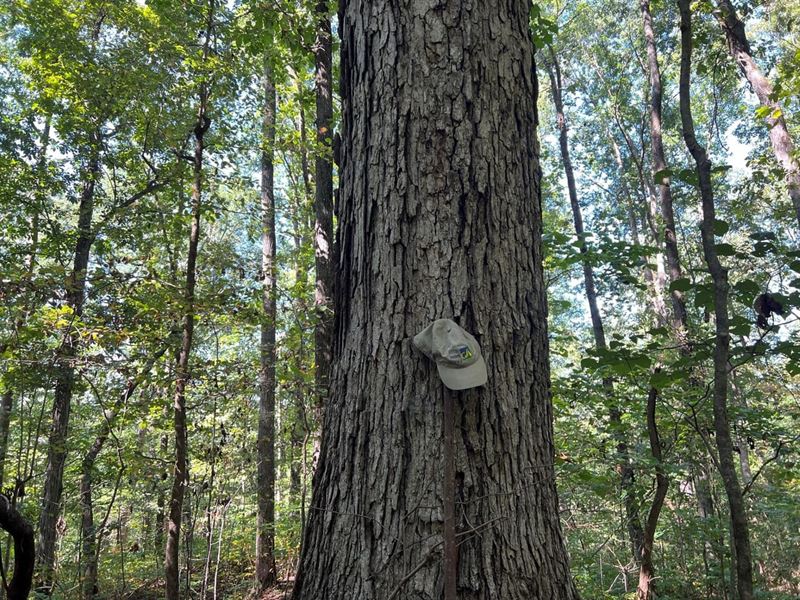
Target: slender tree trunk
[65, 375]
[6, 408]
[440, 216]
[158, 540]
[624, 467]
[7, 403]
[742, 442]
[626, 196]
[24, 551]
[715, 548]
[645, 589]
[182, 369]
[88, 533]
[656, 279]
[90, 553]
[180, 474]
[323, 206]
[191, 504]
[660, 165]
[266, 574]
[300, 428]
[719, 276]
[779, 137]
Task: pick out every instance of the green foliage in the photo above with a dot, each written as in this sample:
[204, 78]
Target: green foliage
[606, 94]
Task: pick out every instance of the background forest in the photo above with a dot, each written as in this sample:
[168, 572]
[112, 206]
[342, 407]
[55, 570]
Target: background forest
[167, 169]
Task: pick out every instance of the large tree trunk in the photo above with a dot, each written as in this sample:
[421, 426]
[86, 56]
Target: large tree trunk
[624, 468]
[323, 206]
[21, 530]
[660, 165]
[779, 137]
[265, 525]
[65, 375]
[719, 276]
[440, 216]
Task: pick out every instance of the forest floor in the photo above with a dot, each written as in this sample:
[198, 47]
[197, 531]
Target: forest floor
[154, 590]
[282, 591]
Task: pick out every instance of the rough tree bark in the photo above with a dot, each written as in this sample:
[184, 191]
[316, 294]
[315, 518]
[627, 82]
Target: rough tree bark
[660, 165]
[779, 137]
[323, 206]
[624, 467]
[719, 276]
[24, 550]
[266, 574]
[65, 374]
[439, 216]
[179, 474]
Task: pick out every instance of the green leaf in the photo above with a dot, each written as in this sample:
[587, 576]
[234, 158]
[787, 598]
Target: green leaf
[739, 325]
[747, 289]
[762, 248]
[762, 111]
[665, 377]
[704, 297]
[725, 249]
[721, 227]
[589, 363]
[721, 169]
[687, 176]
[680, 285]
[662, 177]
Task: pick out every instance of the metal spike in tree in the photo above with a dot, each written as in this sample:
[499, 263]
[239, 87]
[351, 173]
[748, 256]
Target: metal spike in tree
[439, 216]
[266, 574]
[624, 467]
[719, 275]
[779, 136]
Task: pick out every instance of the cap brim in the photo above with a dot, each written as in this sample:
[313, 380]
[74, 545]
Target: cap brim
[465, 377]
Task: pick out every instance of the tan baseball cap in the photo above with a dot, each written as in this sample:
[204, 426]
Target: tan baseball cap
[456, 352]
